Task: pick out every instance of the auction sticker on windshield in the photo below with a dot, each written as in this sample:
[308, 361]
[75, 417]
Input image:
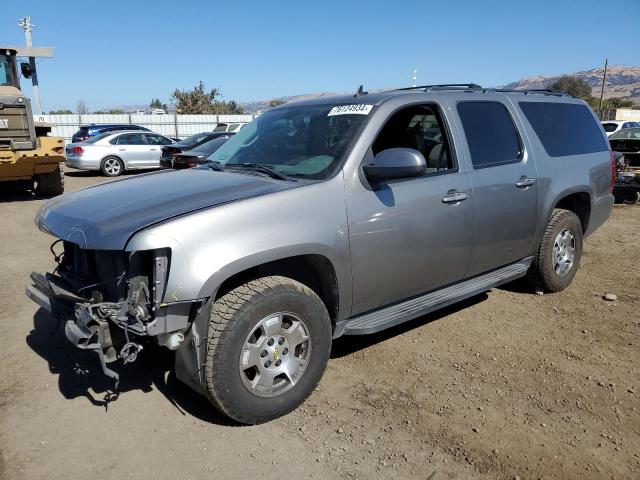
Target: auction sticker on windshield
[358, 109]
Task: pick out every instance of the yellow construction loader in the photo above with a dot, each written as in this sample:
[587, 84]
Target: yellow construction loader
[26, 152]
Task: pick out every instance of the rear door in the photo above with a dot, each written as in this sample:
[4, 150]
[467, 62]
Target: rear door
[504, 183]
[156, 142]
[133, 149]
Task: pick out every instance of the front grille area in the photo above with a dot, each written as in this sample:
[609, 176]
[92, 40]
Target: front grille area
[96, 273]
[16, 129]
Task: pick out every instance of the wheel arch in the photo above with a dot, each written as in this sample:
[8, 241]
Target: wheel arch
[314, 270]
[578, 202]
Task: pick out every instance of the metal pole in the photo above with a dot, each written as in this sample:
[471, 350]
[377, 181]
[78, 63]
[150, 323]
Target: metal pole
[27, 26]
[36, 87]
[604, 80]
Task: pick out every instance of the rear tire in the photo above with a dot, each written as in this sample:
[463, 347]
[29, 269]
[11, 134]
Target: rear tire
[50, 184]
[111, 166]
[559, 254]
[268, 345]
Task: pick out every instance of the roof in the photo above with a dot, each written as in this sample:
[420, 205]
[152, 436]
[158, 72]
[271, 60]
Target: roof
[376, 98]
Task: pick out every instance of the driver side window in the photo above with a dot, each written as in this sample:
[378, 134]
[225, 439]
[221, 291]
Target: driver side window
[421, 128]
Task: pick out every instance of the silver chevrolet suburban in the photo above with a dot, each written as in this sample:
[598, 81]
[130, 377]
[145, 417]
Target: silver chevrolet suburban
[322, 218]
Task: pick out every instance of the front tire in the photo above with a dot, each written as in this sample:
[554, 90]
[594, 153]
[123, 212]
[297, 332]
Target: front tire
[111, 167]
[559, 254]
[268, 345]
[50, 184]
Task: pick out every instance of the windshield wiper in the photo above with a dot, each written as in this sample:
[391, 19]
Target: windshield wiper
[213, 165]
[262, 168]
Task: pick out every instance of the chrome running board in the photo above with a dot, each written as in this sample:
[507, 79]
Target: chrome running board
[398, 313]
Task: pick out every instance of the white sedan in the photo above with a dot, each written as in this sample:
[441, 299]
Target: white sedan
[113, 153]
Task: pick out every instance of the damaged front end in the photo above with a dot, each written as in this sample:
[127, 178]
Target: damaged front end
[111, 301]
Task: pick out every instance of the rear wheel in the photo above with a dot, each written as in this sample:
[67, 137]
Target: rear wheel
[269, 342]
[50, 184]
[111, 166]
[558, 257]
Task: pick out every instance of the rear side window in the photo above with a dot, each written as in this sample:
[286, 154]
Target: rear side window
[491, 135]
[565, 128]
[131, 139]
[609, 127]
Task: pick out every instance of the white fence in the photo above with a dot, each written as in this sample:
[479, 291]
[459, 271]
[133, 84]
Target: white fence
[180, 126]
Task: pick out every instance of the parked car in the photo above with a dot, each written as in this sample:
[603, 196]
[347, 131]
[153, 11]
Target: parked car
[197, 156]
[229, 127]
[88, 131]
[614, 126]
[190, 143]
[627, 186]
[113, 153]
[627, 142]
[327, 217]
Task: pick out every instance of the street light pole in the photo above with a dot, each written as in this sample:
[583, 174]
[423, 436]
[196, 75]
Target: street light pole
[27, 26]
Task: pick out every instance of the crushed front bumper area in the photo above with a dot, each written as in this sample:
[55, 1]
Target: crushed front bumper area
[82, 326]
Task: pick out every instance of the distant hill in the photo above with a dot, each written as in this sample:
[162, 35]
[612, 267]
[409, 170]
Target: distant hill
[622, 81]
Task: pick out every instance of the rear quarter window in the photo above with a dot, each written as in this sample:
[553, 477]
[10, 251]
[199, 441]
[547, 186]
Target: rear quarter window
[565, 129]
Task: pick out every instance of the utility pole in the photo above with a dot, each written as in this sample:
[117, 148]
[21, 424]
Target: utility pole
[604, 80]
[414, 76]
[27, 26]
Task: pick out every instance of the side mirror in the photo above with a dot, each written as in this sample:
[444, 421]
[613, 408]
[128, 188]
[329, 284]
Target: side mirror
[396, 163]
[25, 68]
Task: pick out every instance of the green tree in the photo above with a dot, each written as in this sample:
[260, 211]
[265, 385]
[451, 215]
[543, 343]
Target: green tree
[199, 101]
[113, 111]
[65, 111]
[275, 102]
[615, 102]
[574, 86]
[155, 103]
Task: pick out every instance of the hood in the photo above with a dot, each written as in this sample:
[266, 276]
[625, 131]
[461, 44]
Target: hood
[105, 216]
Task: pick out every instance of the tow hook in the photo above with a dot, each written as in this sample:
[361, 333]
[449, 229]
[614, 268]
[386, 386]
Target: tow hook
[129, 352]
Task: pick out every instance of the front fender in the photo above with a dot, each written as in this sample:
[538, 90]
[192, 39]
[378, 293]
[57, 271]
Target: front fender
[209, 246]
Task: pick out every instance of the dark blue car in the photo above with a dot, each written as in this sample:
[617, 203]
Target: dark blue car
[91, 130]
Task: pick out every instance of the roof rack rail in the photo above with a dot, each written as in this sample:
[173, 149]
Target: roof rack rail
[474, 87]
[445, 86]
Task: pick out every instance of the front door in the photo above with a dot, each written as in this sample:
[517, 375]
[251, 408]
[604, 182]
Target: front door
[413, 235]
[133, 149]
[505, 187]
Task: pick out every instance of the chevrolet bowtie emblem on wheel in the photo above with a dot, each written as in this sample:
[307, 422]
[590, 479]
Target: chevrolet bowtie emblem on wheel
[276, 354]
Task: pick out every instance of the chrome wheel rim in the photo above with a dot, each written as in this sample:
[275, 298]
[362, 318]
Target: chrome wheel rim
[564, 252]
[275, 354]
[112, 166]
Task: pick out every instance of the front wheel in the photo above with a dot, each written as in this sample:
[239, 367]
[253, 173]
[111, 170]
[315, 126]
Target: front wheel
[268, 345]
[559, 254]
[50, 184]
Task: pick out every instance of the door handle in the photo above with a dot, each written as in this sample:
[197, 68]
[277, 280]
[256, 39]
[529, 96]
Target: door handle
[154, 149]
[525, 182]
[454, 197]
[121, 149]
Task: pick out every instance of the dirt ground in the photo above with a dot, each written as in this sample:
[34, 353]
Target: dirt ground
[509, 384]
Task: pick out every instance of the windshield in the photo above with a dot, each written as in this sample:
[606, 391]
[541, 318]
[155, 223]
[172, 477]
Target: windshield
[212, 145]
[193, 139]
[633, 133]
[6, 73]
[307, 141]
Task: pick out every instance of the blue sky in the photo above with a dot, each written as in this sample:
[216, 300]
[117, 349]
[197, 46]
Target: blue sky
[117, 52]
